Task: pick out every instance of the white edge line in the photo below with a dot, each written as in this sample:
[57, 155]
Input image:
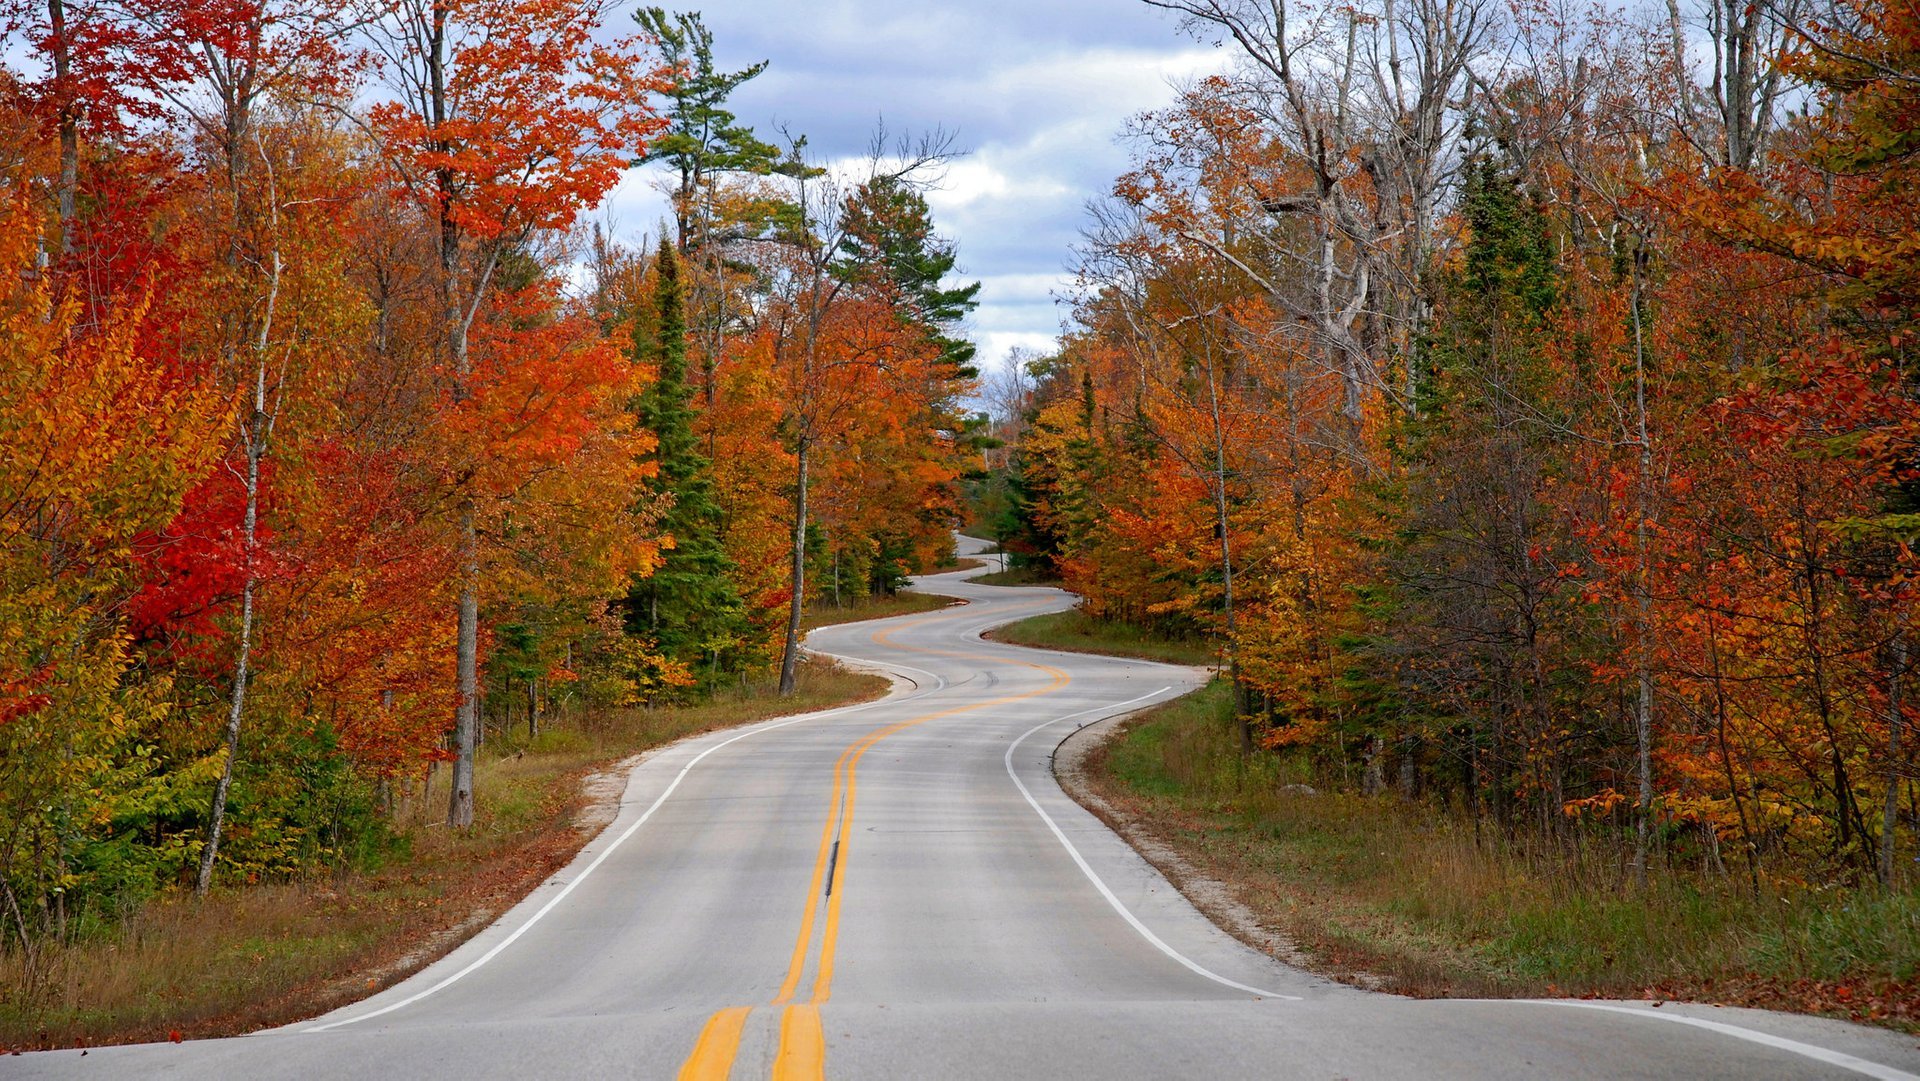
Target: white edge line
[877, 666]
[1812, 1051]
[589, 869]
[1080, 860]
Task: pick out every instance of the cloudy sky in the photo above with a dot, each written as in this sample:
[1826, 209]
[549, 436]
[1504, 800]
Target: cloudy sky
[1035, 92]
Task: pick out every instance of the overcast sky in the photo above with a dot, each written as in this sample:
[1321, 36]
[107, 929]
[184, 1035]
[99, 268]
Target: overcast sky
[1035, 92]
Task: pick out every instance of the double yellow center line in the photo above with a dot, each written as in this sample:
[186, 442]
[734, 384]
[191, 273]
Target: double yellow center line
[802, 1053]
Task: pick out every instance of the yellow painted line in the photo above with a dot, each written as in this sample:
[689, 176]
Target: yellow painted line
[712, 1058]
[823, 979]
[803, 1046]
[802, 1052]
[829, 940]
[799, 960]
[797, 963]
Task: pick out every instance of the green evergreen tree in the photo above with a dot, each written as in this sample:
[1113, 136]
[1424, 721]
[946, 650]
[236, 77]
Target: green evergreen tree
[1472, 576]
[703, 143]
[689, 606]
[703, 139]
[889, 228]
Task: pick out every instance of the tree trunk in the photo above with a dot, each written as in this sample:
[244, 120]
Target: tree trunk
[466, 723]
[1889, 816]
[790, 657]
[237, 700]
[69, 121]
[1643, 601]
[458, 311]
[1242, 719]
[259, 428]
[1726, 760]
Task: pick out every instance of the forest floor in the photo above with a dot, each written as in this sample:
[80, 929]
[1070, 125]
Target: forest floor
[1403, 896]
[259, 955]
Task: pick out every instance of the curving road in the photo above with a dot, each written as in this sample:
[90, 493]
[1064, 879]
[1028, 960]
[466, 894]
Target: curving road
[901, 890]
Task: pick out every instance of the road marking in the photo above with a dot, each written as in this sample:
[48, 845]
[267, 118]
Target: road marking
[712, 1058]
[1812, 1051]
[591, 867]
[829, 939]
[840, 807]
[1078, 859]
[798, 962]
[884, 637]
[862, 662]
[801, 1029]
[803, 1046]
[1087, 870]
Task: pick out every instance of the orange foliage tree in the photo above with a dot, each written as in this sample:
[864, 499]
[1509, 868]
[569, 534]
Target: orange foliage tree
[1550, 453]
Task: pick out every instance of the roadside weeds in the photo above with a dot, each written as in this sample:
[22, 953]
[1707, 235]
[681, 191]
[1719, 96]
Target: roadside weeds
[1392, 895]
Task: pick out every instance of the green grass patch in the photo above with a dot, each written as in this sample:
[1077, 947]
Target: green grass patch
[1076, 632]
[1412, 895]
[1014, 576]
[824, 613]
[964, 563]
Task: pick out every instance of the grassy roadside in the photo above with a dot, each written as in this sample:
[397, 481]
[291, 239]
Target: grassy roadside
[270, 954]
[1075, 632]
[1015, 576]
[963, 563]
[866, 607]
[1397, 895]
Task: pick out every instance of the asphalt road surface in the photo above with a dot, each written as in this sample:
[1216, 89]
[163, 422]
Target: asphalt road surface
[900, 890]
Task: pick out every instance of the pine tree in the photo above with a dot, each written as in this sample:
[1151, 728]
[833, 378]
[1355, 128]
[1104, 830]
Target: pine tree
[703, 138]
[1473, 569]
[689, 606]
[890, 229]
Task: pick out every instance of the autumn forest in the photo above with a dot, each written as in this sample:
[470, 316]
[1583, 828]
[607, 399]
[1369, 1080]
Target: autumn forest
[334, 438]
[1519, 399]
[1511, 398]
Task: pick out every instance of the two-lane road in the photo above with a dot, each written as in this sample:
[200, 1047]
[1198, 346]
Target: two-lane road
[901, 890]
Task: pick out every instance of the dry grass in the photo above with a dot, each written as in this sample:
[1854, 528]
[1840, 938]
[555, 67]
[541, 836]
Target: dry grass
[1076, 632]
[267, 954]
[1406, 896]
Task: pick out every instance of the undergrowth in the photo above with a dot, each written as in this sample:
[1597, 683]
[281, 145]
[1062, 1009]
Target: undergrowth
[1408, 895]
[256, 954]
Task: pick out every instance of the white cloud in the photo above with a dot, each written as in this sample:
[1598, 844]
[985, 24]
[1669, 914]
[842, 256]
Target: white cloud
[994, 345]
[1034, 92]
